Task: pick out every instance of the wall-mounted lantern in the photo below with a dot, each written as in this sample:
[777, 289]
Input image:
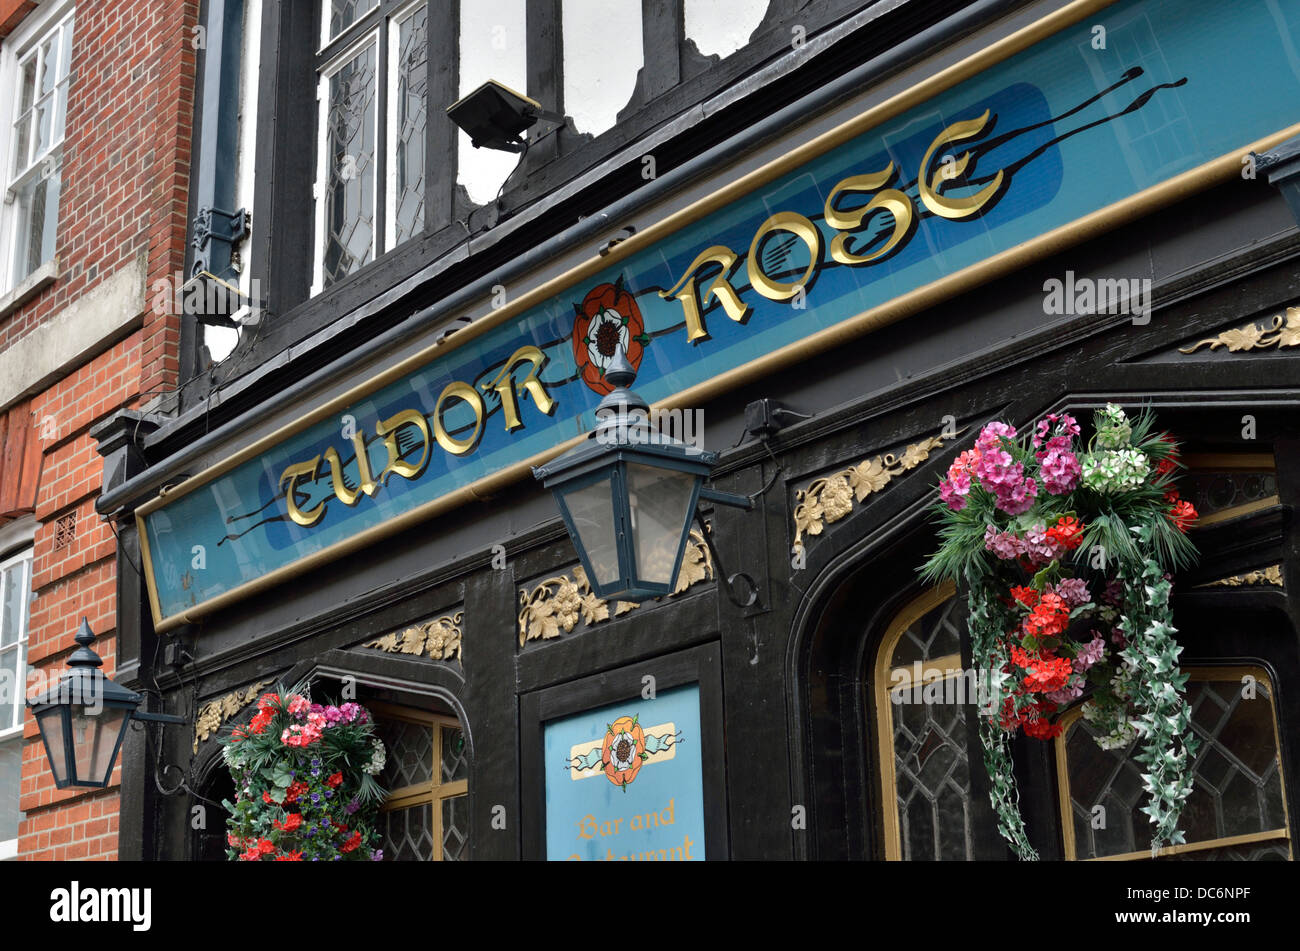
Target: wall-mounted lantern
[83, 719]
[628, 494]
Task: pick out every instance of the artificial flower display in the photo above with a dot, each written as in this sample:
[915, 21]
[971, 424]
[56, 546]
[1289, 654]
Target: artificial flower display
[305, 780]
[1065, 552]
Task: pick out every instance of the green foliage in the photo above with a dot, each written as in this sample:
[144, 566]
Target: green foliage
[1123, 499]
[305, 776]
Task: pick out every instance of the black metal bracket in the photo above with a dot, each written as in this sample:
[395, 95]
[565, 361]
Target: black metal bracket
[159, 718]
[216, 223]
[727, 498]
[730, 580]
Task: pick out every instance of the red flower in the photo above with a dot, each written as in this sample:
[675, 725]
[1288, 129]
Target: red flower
[1184, 514]
[294, 791]
[291, 822]
[1026, 596]
[289, 857]
[234, 840]
[1047, 673]
[1042, 729]
[353, 841]
[266, 846]
[334, 780]
[607, 319]
[260, 722]
[266, 798]
[1048, 618]
[1067, 532]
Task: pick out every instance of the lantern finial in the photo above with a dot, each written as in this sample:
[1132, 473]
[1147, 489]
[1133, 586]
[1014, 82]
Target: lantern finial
[83, 656]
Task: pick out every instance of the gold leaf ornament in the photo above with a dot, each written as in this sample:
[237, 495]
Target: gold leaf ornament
[556, 606]
[1283, 331]
[439, 639]
[218, 711]
[828, 499]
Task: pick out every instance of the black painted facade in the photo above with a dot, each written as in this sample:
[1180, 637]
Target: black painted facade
[787, 682]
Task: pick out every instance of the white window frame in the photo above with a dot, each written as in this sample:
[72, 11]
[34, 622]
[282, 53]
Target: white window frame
[28, 36]
[20, 532]
[345, 56]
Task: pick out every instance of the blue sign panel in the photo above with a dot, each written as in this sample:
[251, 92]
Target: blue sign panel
[625, 782]
[1060, 130]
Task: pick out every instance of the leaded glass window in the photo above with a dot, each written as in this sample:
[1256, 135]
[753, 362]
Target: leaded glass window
[373, 95]
[410, 88]
[1227, 486]
[425, 817]
[32, 173]
[1236, 809]
[923, 721]
[349, 173]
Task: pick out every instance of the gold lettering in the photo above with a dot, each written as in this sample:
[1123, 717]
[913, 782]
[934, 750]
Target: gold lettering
[891, 199]
[505, 386]
[692, 301]
[365, 479]
[463, 391]
[805, 231]
[388, 429]
[955, 208]
[306, 471]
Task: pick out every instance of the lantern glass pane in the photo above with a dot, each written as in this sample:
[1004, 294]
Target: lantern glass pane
[51, 726]
[591, 510]
[660, 502]
[94, 741]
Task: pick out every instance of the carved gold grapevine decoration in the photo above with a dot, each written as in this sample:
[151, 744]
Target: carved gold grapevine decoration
[556, 605]
[439, 639]
[219, 711]
[827, 500]
[1281, 332]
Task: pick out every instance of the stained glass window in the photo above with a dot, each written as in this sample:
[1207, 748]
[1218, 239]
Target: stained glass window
[923, 722]
[350, 166]
[425, 817]
[373, 92]
[1227, 486]
[1236, 809]
[411, 86]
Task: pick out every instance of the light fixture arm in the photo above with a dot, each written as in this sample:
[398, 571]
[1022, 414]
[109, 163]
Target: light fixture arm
[727, 498]
[729, 581]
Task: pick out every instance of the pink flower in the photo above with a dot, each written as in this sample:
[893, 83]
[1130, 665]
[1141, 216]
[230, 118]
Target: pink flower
[991, 436]
[1006, 545]
[1039, 546]
[1073, 591]
[299, 705]
[1071, 691]
[951, 496]
[1089, 654]
[1019, 498]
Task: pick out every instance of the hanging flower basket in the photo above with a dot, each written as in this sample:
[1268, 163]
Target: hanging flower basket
[1065, 555]
[305, 780]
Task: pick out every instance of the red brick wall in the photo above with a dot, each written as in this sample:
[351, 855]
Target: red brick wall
[125, 176]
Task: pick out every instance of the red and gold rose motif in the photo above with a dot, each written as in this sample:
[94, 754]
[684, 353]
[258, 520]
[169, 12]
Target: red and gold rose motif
[607, 319]
[623, 751]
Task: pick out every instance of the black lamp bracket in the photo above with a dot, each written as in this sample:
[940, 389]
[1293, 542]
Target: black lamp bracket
[730, 585]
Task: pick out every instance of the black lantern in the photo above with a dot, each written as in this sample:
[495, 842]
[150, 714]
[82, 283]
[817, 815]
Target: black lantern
[82, 720]
[628, 494]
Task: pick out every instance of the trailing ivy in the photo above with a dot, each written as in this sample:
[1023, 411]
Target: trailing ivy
[1064, 555]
